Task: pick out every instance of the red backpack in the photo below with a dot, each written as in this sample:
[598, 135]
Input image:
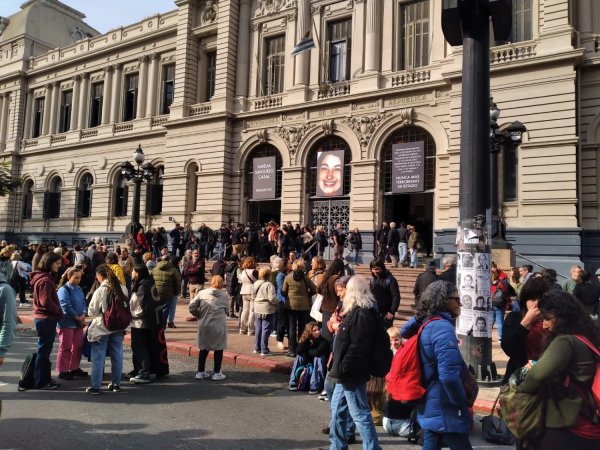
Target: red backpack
[118, 315]
[596, 382]
[404, 378]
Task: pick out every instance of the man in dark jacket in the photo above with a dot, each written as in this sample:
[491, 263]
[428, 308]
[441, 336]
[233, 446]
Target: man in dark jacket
[168, 283]
[449, 274]
[385, 290]
[177, 244]
[393, 239]
[423, 280]
[381, 239]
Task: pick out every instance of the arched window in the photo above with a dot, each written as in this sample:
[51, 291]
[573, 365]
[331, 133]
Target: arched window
[84, 196]
[121, 196]
[27, 206]
[406, 135]
[328, 176]
[52, 199]
[154, 193]
[262, 151]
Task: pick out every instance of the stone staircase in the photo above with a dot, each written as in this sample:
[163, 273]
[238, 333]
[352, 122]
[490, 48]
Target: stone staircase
[406, 280]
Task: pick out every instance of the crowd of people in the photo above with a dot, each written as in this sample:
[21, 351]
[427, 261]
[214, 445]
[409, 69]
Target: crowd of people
[324, 317]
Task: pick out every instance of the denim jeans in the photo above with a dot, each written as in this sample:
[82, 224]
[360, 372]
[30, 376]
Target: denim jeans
[262, 330]
[402, 251]
[169, 309]
[355, 256]
[219, 250]
[342, 408]
[114, 344]
[455, 441]
[414, 258]
[358, 406]
[46, 331]
[498, 317]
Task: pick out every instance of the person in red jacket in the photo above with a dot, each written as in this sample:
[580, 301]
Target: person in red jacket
[46, 313]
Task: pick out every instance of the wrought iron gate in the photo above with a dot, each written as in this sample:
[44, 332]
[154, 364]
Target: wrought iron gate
[329, 213]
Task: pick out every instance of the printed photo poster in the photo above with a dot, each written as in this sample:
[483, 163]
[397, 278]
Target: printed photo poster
[474, 285]
[330, 173]
[264, 178]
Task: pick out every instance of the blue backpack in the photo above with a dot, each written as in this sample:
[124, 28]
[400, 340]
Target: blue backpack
[302, 376]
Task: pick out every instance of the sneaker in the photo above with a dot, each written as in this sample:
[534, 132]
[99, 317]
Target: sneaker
[273, 334]
[243, 332]
[114, 387]
[218, 376]
[171, 325]
[255, 351]
[313, 392]
[79, 373]
[93, 391]
[290, 354]
[24, 305]
[323, 396]
[293, 387]
[65, 376]
[202, 375]
[139, 379]
[50, 386]
[280, 345]
[250, 333]
[267, 353]
[325, 430]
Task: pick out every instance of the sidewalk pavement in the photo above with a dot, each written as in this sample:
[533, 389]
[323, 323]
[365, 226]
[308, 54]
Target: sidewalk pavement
[182, 341]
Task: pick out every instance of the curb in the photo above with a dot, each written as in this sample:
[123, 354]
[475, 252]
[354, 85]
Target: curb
[482, 406]
[191, 351]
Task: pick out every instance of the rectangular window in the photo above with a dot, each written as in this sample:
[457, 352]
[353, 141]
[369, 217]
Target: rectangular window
[97, 90]
[338, 45]
[274, 65]
[522, 23]
[168, 85]
[414, 45]
[211, 74]
[66, 104]
[131, 91]
[38, 117]
[510, 170]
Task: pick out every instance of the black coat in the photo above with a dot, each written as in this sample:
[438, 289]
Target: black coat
[588, 294]
[449, 275]
[514, 338]
[393, 239]
[312, 348]
[355, 241]
[353, 346]
[423, 280]
[387, 293]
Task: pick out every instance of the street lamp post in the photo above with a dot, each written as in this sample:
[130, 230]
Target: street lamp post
[137, 175]
[512, 136]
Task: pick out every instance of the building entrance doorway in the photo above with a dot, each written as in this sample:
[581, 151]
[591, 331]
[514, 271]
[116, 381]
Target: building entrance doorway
[415, 209]
[261, 212]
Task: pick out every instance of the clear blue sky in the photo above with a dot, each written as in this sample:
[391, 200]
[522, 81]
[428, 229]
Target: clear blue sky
[104, 15]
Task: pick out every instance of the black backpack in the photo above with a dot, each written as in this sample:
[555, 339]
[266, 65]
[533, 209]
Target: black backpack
[231, 279]
[381, 358]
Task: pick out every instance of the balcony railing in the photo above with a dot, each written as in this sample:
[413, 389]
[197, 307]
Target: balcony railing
[410, 77]
[30, 143]
[268, 102]
[158, 121]
[512, 52]
[88, 133]
[331, 90]
[56, 138]
[122, 127]
[200, 109]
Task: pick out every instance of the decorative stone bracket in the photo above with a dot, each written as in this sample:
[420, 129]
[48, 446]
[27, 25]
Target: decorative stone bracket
[365, 126]
[292, 135]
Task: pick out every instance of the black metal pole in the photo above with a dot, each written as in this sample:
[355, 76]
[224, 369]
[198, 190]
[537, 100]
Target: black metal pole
[475, 323]
[135, 210]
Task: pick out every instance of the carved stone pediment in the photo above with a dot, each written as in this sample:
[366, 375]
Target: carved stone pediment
[269, 7]
[365, 126]
[292, 135]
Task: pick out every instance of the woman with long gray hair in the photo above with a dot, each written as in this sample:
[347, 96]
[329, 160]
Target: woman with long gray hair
[352, 349]
[443, 414]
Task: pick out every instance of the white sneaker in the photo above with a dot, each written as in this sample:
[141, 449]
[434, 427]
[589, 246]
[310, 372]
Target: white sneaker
[218, 376]
[202, 375]
[280, 345]
[24, 305]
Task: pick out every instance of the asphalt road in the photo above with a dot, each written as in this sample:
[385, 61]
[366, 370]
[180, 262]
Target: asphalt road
[248, 410]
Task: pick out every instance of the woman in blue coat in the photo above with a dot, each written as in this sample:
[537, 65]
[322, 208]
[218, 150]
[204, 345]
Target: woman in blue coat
[443, 413]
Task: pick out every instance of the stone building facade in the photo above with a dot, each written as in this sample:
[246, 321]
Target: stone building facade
[210, 86]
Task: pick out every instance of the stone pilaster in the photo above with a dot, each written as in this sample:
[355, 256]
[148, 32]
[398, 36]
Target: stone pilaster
[75, 102]
[116, 93]
[83, 101]
[106, 95]
[373, 36]
[142, 87]
[47, 108]
[28, 115]
[152, 85]
[243, 50]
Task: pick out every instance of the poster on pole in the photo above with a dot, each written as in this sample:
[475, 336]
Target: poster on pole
[330, 173]
[264, 178]
[408, 167]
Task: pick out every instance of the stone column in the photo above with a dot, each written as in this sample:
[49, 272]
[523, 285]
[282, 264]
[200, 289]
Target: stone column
[116, 93]
[243, 50]
[47, 108]
[152, 85]
[106, 93]
[584, 16]
[75, 102]
[373, 36]
[28, 115]
[54, 107]
[83, 101]
[4, 117]
[142, 87]
[303, 59]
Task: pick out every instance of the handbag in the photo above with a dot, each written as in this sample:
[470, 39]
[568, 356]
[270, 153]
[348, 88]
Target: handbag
[315, 310]
[523, 413]
[494, 428]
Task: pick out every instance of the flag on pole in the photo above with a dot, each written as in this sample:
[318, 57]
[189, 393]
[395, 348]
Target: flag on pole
[306, 43]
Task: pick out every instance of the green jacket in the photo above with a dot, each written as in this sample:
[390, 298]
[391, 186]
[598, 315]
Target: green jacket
[167, 279]
[565, 355]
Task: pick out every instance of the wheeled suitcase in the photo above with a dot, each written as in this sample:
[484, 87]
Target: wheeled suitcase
[27, 380]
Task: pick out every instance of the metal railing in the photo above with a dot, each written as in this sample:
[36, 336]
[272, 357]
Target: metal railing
[539, 265]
